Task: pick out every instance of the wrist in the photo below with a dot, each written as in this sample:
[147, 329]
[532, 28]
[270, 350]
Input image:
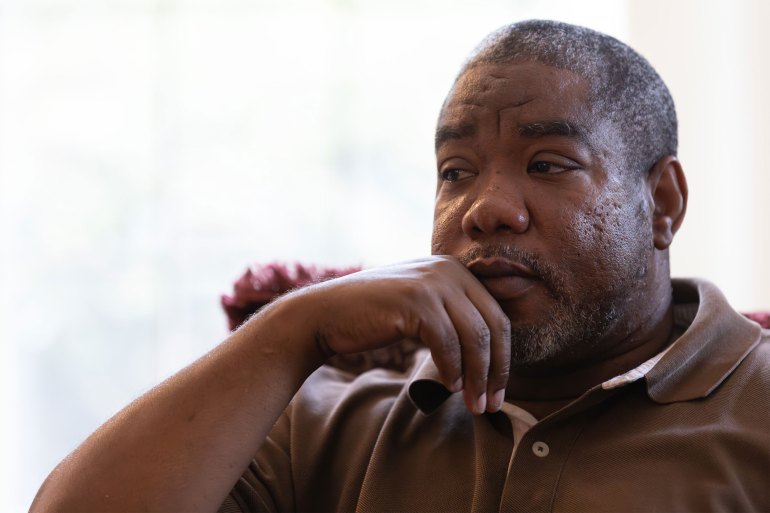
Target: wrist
[286, 332]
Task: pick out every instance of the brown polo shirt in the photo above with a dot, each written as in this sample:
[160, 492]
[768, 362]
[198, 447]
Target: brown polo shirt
[690, 432]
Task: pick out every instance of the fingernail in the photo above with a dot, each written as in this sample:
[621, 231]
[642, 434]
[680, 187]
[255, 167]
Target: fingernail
[496, 401]
[457, 385]
[481, 404]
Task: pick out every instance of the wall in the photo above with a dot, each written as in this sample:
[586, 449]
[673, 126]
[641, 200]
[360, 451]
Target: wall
[714, 57]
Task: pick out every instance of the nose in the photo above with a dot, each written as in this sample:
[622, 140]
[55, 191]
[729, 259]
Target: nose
[498, 209]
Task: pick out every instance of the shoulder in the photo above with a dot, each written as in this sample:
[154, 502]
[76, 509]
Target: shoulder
[757, 361]
[745, 395]
[756, 366]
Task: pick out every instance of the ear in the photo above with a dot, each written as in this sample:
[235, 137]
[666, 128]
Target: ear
[668, 187]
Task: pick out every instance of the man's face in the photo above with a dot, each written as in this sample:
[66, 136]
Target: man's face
[532, 198]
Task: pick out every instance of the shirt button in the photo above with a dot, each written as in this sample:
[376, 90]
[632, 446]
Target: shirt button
[541, 449]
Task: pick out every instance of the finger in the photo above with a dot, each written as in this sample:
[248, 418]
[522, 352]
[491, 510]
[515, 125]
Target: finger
[499, 345]
[440, 336]
[474, 346]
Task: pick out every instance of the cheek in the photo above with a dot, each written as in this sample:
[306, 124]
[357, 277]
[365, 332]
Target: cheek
[595, 226]
[447, 226]
[609, 237]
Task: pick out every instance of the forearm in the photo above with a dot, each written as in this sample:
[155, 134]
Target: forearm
[182, 446]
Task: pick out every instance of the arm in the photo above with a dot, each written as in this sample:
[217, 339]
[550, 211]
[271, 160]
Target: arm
[183, 445]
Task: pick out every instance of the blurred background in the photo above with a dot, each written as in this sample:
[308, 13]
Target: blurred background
[151, 149]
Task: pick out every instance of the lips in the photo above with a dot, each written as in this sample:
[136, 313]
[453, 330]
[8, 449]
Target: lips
[503, 278]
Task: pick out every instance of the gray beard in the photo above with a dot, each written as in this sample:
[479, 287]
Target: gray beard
[570, 327]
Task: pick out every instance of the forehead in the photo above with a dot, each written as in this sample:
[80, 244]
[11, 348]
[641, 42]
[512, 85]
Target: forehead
[526, 92]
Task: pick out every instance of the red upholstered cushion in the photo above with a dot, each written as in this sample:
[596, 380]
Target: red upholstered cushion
[763, 318]
[262, 283]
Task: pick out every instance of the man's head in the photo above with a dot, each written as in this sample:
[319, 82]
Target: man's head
[559, 188]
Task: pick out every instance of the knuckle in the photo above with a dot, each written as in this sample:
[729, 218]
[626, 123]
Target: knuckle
[410, 288]
[447, 346]
[499, 377]
[481, 335]
[503, 336]
[505, 326]
[403, 324]
[442, 266]
[449, 342]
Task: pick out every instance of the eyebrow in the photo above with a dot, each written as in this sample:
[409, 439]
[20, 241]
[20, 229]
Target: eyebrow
[537, 129]
[557, 127]
[453, 132]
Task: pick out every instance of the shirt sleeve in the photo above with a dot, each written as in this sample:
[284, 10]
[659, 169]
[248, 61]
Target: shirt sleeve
[318, 451]
[267, 483]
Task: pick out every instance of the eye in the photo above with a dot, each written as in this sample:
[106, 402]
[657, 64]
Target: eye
[453, 174]
[545, 167]
[540, 167]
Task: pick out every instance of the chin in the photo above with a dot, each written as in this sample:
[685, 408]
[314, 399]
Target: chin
[557, 334]
[529, 311]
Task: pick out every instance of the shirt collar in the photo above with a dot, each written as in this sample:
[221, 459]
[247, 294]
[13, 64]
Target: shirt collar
[715, 342]
[715, 339]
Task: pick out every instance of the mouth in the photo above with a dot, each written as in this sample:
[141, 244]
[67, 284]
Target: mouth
[503, 278]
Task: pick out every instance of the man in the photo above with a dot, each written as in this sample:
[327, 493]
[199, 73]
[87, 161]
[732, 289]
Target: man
[564, 370]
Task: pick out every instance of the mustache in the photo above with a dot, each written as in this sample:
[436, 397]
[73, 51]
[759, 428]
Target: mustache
[546, 271]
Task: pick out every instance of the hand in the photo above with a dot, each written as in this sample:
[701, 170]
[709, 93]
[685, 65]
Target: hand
[435, 300]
